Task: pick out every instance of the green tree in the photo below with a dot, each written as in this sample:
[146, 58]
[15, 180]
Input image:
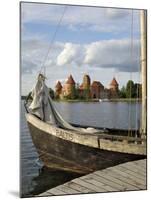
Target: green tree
[51, 92]
[77, 91]
[130, 89]
[73, 92]
[86, 94]
[138, 90]
[122, 92]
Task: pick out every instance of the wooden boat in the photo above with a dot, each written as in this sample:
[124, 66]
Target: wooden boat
[79, 152]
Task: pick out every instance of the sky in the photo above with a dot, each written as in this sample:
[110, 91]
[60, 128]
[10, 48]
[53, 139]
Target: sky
[78, 40]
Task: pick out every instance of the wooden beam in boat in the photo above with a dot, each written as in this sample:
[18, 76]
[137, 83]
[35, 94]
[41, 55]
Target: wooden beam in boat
[123, 147]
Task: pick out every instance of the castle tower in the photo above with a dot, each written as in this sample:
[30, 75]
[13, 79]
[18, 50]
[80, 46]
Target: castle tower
[113, 88]
[85, 87]
[86, 82]
[114, 85]
[58, 89]
[69, 87]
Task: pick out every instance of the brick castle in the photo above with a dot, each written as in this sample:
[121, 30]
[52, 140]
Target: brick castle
[86, 90]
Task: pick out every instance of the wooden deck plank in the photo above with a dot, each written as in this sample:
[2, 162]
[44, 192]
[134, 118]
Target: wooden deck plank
[56, 191]
[124, 181]
[140, 166]
[136, 167]
[123, 177]
[88, 185]
[128, 178]
[106, 181]
[106, 188]
[143, 161]
[122, 186]
[135, 176]
[132, 169]
[78, 187]
[44, 194]
[68, 190]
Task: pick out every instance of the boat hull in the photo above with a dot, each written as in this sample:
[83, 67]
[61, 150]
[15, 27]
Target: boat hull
[61, 153]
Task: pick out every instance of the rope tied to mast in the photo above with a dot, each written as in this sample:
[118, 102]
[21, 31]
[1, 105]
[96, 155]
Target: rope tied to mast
[43, 66]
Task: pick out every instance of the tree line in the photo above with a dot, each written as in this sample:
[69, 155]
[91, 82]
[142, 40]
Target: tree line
[131, 90]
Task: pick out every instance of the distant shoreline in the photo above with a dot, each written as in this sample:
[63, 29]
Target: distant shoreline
[94, 100]
[100, 100]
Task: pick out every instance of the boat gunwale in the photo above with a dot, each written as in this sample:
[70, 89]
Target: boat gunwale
[88, 139]
[100, 135]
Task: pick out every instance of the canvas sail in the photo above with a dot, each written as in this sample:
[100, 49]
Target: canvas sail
[43, 107]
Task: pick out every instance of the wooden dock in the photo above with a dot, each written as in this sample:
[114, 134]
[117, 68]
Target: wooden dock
[124, 177]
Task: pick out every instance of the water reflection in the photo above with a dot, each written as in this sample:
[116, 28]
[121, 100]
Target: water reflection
[50, 178]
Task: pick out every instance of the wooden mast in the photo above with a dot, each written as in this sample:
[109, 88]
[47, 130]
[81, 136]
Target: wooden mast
[143, 29]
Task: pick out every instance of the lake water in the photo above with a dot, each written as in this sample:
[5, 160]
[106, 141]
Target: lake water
[34, 177]
[120, 115]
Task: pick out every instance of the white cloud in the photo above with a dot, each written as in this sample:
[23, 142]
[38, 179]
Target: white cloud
[100, 59]
[103, 54]
[69, 54]
[33, 54]
[113, 54]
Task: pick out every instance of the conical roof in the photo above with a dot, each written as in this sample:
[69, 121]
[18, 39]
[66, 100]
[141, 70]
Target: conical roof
[70, 80]
[114, 82]
[86, 76]
[86, 79]
[58, 85]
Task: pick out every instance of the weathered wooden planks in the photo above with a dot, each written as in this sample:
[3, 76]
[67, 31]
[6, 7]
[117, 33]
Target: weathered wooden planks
[78, 187]
[123, 177]
[123, 146]
[44, 194]
[103, 141]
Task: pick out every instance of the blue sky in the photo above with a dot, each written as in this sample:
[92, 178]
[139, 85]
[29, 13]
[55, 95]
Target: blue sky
[91, 40]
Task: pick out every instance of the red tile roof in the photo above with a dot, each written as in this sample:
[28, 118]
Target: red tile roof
[70, 80]
[58, 85]
[86, 76]
[114, 82]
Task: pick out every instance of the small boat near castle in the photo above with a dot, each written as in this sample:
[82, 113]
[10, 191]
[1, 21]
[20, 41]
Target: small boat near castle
[79, 149]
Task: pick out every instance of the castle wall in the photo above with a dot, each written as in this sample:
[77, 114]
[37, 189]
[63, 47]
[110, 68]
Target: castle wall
[87, 90]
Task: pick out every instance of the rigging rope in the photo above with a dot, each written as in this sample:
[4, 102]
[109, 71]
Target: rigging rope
[138, 92]
[130, 92]
[43, 67]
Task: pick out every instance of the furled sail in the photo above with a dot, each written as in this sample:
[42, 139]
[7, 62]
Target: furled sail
[43, 107]
[40, 105]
